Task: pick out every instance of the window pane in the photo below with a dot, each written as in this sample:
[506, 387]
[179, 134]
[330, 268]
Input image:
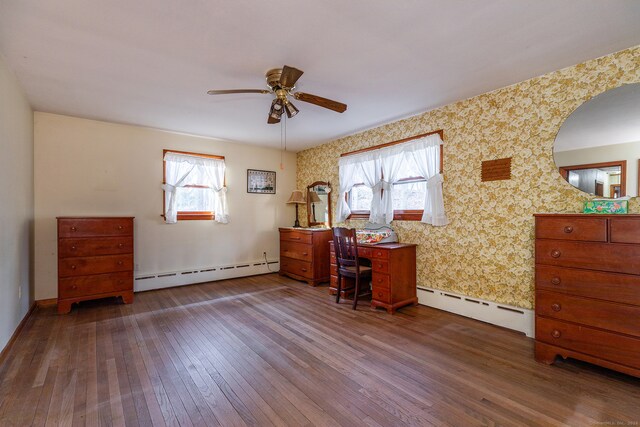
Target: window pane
[194, 200]
[409, 195]
[360, 198]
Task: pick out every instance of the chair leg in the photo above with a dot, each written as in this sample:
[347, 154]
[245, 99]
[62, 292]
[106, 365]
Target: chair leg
[339, 289]
[356, 292]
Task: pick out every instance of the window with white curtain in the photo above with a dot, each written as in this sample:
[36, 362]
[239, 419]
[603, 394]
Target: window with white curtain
[194, 187]
[400, 181]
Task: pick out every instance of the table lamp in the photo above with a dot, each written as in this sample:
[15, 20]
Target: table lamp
[298, 198]
[313, 199]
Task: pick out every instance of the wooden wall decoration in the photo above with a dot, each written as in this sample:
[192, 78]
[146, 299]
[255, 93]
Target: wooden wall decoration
[495, 170]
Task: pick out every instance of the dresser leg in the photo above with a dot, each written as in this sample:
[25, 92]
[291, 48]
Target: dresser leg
[545, 353]
[127, 298]
[64, 307]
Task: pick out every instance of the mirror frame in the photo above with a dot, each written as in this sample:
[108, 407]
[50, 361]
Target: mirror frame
[310, 207]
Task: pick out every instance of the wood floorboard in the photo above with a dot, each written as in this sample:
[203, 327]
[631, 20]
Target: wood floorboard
[268, 350]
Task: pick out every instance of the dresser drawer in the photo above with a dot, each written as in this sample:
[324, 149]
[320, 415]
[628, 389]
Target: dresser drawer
[623, 288]
[91, 227]
[571, 228]
[95, 246]
[82, 266]
[299, 251]
[595, 256]
[616, 317]
[624, 230]
[381, 281]
[90, 285]
[604, 345]
[296, 236]
[297, 267]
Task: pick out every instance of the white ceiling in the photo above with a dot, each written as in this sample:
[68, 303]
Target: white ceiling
[150, 62]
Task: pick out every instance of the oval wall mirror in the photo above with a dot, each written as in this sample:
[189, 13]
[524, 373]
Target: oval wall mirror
[319, 204]
[597, 149]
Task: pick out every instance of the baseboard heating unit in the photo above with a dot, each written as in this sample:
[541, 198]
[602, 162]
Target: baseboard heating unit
[507, 316]
[147, 282]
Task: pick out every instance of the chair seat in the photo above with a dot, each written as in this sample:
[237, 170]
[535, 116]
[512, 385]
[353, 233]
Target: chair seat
[350, 271]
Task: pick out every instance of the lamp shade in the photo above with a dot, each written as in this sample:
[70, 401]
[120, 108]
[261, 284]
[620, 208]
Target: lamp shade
[313, 197]
[296, 197]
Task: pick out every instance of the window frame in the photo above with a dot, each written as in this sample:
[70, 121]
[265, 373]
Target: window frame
[188, 215]
[398, 214]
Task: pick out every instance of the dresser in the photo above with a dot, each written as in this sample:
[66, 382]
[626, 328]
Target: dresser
[304, 254]
[587, 283]
[95, 259]
[393, 274]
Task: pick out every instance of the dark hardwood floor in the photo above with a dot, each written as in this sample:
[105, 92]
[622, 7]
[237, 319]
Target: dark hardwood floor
[268, 350]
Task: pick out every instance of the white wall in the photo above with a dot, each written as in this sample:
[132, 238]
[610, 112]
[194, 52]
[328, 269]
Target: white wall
[86, 167]
[16, 204]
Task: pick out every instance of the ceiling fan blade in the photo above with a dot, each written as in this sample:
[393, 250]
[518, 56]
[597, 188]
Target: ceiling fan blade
[228, 91]
[320, 101]
[289, 76]
[272, 120]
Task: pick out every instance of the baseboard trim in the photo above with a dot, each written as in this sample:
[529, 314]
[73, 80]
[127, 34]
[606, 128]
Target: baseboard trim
[506, 316]
[44, 303]
[13, 338]
[171, 279]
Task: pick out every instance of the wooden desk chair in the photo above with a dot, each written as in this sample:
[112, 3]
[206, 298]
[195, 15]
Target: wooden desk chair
[345, 247]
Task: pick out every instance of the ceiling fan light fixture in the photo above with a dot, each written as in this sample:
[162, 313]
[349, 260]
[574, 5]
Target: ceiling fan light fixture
[276, 109]
[290, 109]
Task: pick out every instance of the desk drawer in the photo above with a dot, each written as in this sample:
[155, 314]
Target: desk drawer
[98, 284]
[381, 295]
[379, 253]
[295, 250]
[82, 266]
[613, 257]
[95, 246]
[600, 314]
[380, 265]
[296, 236]
[381, 281]
[623, 288]
[606, 345]
[297, 267]
[571, 228]
[364, 252]
[89, 227]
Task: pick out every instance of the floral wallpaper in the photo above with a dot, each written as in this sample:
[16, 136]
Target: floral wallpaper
[486, 250]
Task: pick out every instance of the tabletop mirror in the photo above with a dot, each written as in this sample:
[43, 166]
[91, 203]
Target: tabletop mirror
[319, 204]
[597, 149]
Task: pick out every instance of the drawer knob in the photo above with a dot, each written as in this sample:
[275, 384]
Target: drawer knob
[120, 282]
[568, 229]
[74, 229]
[379, 265]
[379, 280]
[379, 254]
[119, 227]
[73, 248]
[556, 333]
[556, 307]
[305, 253]
[556, 253]
[555, 281]
[73, 267]
[119, 262]
[74, 287]
[120, 245]
[295, 238]
[380, 294]
[304, 269]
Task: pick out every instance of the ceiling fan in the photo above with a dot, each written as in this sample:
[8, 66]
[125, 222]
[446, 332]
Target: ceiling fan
[281, 83]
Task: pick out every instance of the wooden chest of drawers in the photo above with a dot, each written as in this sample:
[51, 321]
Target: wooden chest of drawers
[393, 278]
[304, 254]
[95, 259]
[588, 289]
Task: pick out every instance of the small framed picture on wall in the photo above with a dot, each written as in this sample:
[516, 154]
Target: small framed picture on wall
[261, 182]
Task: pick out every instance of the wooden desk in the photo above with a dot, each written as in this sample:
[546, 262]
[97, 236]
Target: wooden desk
[393, 282]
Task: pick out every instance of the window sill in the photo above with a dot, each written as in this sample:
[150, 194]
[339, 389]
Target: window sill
[191, 216]
[398, 215]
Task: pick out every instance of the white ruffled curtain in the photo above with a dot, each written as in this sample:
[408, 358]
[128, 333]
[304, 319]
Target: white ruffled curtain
[183, 170]
[371, 166]
[426, 154]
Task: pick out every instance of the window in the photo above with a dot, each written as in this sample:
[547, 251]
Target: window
[194, 187]
[394, 181]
